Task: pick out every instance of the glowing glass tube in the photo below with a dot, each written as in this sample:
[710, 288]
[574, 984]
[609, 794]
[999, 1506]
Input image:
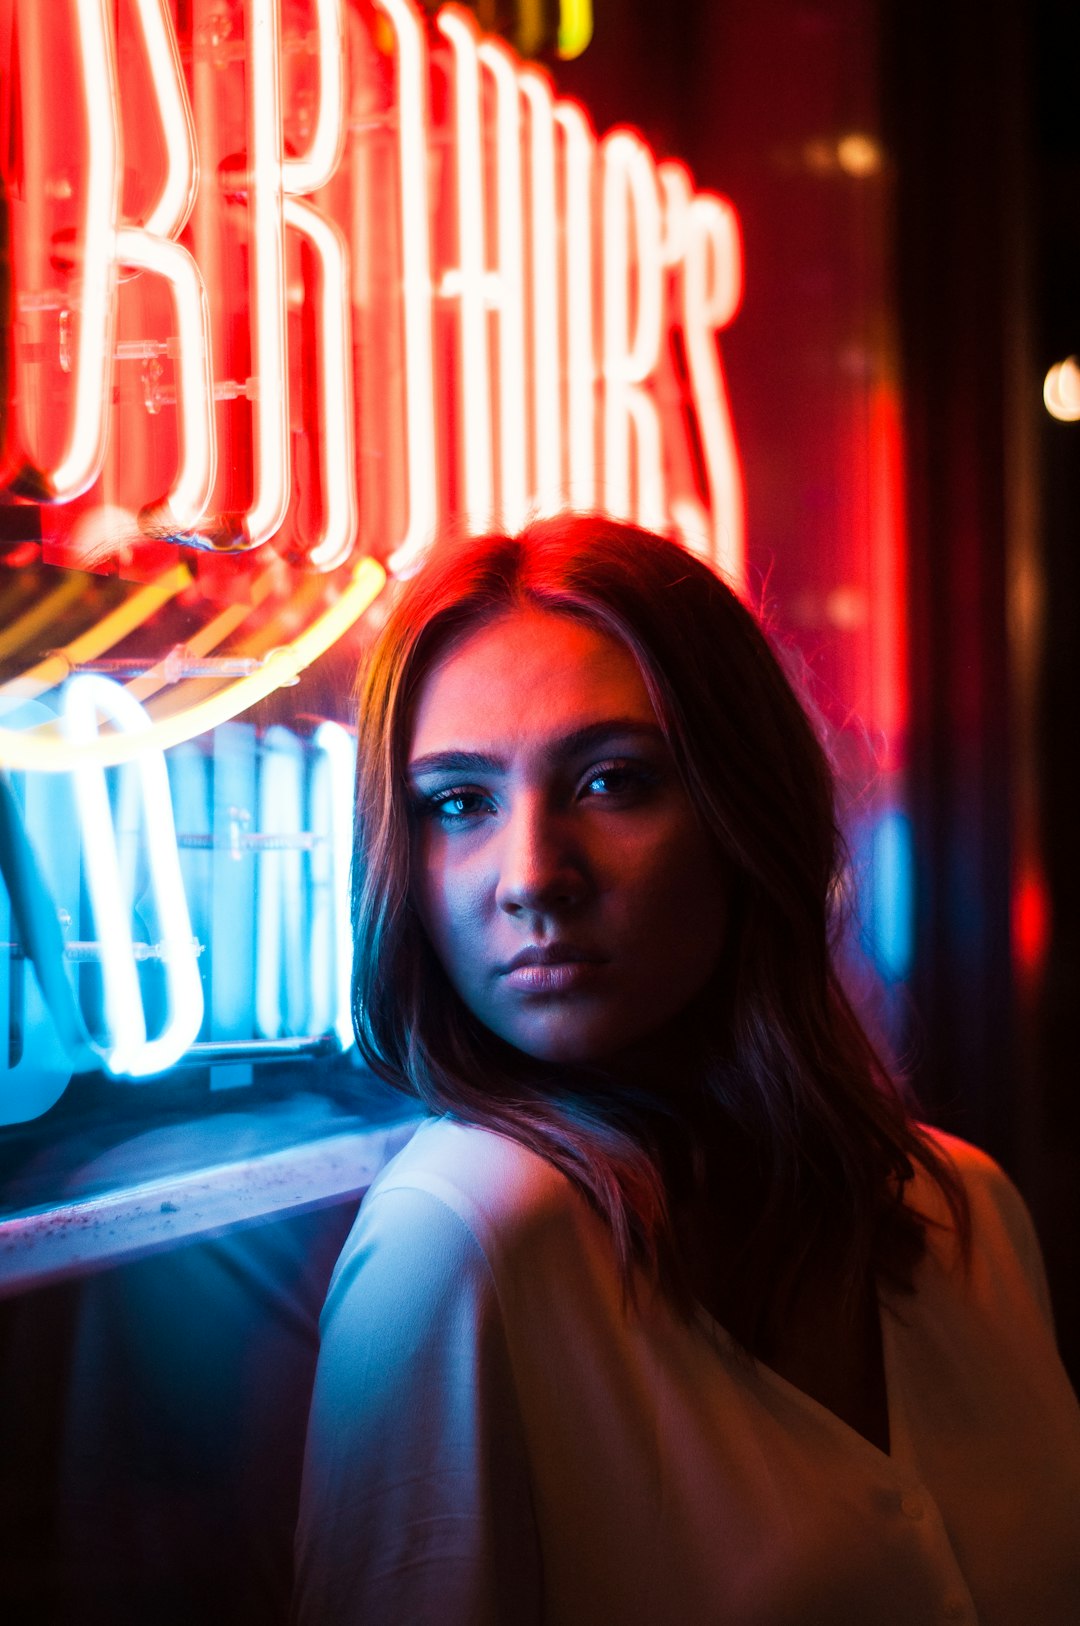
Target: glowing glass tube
[129, 1052]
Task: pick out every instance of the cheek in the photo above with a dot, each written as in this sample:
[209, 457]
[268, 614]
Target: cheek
[449, 900]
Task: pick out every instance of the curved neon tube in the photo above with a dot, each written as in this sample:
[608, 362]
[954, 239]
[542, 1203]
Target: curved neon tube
[547, 418]
[318, 164]
[632, 211]
[190, 494]
[712, 289]
[338, 748]
[130, 1052]
[334, 366]
[270, 408]
[411, 47]
[36, 620]
[134, 612]
[327, 242]
[475, 410]
[510, 283]
[208, 637]
[81, 462]
[578, 167]
[55, 1041]
[170, 213]
[282, 976]
[151, 247]
[676, 190]
[575, 26]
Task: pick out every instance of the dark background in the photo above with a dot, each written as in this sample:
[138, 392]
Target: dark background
[965, 266]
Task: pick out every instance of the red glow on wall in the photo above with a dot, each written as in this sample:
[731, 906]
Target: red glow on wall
[1030, 922]
[889, 563]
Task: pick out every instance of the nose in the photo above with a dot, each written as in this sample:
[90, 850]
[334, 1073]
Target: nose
[542, 868]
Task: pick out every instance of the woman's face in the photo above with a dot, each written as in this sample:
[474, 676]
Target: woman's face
[575, 900]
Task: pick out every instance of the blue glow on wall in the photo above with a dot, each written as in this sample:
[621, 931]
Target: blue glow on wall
[891, 886]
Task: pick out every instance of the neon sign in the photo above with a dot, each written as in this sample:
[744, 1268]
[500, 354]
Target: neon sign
[168, 897]
[286, 291]
[310, 283]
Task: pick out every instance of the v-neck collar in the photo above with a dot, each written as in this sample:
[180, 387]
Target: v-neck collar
[898, 1456]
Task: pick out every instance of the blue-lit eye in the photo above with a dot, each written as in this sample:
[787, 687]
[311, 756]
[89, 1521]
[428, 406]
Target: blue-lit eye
[456, 806]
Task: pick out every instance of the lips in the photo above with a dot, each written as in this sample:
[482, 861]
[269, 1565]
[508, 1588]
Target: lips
[551, 968]
[550, 954]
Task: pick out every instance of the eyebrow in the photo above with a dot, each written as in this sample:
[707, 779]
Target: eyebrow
[567, 745]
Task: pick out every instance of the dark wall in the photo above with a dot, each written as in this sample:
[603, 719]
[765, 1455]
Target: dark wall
[975, 101]
[152, 1435]
[1056, 335]
[981, 106]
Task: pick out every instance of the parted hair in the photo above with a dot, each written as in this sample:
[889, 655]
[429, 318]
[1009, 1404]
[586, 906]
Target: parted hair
[780, 1115]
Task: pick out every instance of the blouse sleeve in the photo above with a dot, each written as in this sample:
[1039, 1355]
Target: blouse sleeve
[415, 1503]
[1019, 1228]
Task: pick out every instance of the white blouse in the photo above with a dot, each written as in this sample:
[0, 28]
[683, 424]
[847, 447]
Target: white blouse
[494, 1439]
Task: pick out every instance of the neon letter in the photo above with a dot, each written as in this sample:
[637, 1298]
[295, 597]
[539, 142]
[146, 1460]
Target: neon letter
[579, 153]
[412, 113]
[467, 279]
[712, 289]
[131, 1053]
[327, 243]
[505, 290]
[547, 419]
[152, 247]
[632, 248]
[270, 449]
[79, 465]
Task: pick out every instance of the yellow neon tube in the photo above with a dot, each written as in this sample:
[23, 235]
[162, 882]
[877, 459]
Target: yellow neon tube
[45, 750]
[575, 27]
[39, 616]
[37, 680]
[207, 638]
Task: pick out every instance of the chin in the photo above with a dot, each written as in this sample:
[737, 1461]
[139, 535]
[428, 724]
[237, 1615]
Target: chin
[565, 1052]
[570, 1049]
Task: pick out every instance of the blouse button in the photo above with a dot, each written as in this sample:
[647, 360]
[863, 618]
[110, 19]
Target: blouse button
[911, 1506]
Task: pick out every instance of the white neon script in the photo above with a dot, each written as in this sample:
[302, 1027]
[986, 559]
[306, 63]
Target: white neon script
[109, 243]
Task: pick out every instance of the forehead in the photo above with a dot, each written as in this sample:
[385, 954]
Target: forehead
[529, 673]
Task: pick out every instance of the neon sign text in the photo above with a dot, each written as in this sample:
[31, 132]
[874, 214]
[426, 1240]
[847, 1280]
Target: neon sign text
[378, 277]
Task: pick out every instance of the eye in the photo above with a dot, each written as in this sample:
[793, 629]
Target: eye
[456, 805]
[622, 780]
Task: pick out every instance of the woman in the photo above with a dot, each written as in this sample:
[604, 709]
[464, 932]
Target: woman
[669, 1312]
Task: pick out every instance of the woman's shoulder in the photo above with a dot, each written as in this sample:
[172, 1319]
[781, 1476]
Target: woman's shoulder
[1005, 1247]
[486, 1177]
[988, 1188]
[456, 1185]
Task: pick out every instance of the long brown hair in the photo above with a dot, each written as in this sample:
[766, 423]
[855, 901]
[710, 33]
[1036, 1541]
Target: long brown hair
[793, 1129]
